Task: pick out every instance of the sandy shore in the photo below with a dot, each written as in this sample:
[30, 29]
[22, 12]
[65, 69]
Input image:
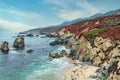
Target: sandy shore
[79, 71]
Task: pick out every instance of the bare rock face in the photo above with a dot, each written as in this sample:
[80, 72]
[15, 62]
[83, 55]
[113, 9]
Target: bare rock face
[97, 61]
[105, 49]
[97, 56]
[19, 42]
[98, 41]
[108, 45]
[4, 46]
[104, 44]
[84, 49]
[110, 70]
[114, 71]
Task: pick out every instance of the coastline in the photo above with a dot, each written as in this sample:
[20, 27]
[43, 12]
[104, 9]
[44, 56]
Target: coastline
[76, 70]
[81, 71]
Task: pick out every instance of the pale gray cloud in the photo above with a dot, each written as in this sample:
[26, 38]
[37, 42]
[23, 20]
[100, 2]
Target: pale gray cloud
[64, 9]
[9, 25]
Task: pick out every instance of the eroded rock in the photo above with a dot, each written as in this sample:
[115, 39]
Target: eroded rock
[54, 55]
[19, 42]
[4, 46]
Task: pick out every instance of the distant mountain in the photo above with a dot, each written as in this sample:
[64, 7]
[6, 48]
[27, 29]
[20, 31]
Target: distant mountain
[96, 15]
[112, 12]
[57, 27]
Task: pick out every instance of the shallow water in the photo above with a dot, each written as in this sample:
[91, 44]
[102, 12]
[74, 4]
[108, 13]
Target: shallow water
[20, 65]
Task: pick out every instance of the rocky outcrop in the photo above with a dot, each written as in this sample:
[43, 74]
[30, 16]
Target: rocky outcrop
[110, 70]
[83, 50]
[19, 42]
[104, 49]
[54, 55]
[59, 41]
[63, 52]
[4, 46]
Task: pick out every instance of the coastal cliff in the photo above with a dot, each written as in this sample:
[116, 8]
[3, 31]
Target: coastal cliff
[95, 42]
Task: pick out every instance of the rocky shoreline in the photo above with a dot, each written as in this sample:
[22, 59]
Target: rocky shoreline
[102, 53]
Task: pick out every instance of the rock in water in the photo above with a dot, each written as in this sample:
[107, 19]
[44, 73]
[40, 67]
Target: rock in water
[63, 52]
[4, 46]
[54, 55]
[19, 42]
[30, 50]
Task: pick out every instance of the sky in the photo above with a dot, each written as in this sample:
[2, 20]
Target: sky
[21, 15]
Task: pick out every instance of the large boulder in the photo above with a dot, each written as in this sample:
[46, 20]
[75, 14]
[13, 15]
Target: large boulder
[4, 46]
[19, 42]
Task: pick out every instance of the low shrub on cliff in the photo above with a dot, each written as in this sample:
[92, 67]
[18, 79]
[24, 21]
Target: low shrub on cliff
[92, 33]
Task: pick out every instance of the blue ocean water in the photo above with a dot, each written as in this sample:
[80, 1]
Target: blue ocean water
[20, 65]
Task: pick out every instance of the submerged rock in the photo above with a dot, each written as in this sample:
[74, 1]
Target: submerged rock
[19, 42]
[30, 35]
[4, 46]
[30, 50]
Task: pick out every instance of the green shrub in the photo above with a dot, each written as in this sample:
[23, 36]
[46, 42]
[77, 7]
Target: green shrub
[92, 33]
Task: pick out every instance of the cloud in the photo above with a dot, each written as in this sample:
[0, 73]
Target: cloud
[25, 14]
[20, 13]
[16, 26]
[87, 6]
[72, 9]
[60, 3]
[69, 14]
[6, 8]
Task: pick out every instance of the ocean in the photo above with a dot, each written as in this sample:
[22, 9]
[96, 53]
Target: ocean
[20, 65]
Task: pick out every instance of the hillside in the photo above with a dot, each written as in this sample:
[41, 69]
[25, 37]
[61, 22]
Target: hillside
[76, 21]
[107, 26]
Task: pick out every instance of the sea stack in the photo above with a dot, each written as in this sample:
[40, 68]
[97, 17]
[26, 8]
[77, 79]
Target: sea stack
[4, 46]
[19, 42]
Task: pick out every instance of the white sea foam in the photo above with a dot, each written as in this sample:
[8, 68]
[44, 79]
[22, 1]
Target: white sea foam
[14, 52]
[62, 48]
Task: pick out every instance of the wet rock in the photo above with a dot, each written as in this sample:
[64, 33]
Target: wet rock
[58, 42]
[63, 52]
[19, 42]
[54, 55]
[4, 46]
[30, 35]
[30, 50]
[37, 35]
[51, 34]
